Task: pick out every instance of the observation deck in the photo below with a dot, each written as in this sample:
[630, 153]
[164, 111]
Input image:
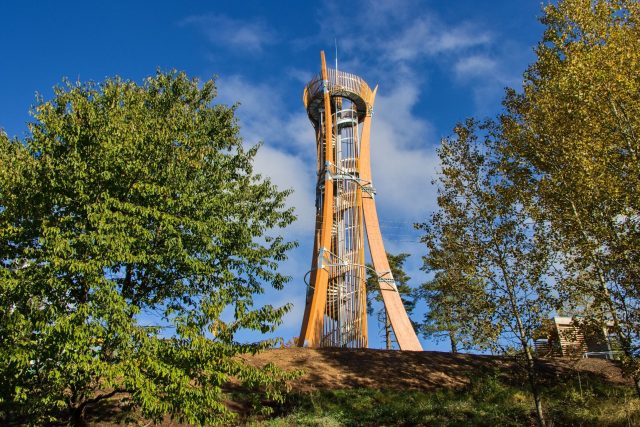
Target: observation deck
[341, 84]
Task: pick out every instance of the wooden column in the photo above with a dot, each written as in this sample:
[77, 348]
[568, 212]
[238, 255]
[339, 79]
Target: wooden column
[311, 332]
[402, 327]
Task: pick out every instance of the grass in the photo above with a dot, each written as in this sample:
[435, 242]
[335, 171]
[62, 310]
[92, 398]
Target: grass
[487, 401]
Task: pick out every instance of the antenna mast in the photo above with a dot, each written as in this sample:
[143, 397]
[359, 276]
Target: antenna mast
[335, 40]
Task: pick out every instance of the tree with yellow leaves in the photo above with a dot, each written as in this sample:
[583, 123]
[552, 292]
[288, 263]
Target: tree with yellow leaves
[490, 259]
[573, 137]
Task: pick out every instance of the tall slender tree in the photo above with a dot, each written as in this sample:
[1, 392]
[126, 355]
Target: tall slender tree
[127, 205]
[483, 240]
[573, 139]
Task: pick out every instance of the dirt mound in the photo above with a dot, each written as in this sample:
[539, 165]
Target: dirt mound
[426, 370]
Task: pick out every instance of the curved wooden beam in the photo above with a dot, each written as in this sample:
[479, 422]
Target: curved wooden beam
[311, 332]
[402, 327]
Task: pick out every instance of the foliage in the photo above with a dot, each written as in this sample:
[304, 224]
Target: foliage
[455, 310]
[491, 259]
[128, 204]
[457, 305]
[489, 256]
[573, 142]
[487, 401]
[396, 265]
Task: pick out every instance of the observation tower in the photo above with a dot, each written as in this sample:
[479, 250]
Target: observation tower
[340, 107]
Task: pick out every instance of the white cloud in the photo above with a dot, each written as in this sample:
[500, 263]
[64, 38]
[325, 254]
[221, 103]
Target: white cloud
[287, 157]
[290, 171]
[475, 66]
[288, 152]
[300, 76]
[403, 155]
[426, 36]
[233, 34]
[486, 77]
[462, 37]
[259, 106]
[398, 31]
[392, 40]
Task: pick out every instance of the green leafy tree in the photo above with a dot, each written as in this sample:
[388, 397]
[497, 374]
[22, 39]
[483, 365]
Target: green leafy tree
[573, 138]
[484, 240]
[129, 204]
[457, 310]
[396, 264]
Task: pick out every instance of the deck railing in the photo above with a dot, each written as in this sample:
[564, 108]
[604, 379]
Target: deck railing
[340, 81]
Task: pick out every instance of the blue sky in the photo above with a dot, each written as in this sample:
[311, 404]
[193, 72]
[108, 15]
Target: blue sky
[436, 63]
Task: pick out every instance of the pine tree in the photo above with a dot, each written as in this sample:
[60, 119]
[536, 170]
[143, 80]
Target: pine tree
[396, 264]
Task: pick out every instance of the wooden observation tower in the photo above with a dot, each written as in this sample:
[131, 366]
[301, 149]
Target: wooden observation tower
[340, 106]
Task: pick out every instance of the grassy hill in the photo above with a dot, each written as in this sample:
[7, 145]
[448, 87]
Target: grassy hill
[377, 387]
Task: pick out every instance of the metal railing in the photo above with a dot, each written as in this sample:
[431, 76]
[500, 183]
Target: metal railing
[338, 81]
[349, 116]
[609, 355]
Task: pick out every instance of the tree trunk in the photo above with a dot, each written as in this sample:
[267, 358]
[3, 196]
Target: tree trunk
[524, 341]
[77, 410]
[454, 343]
[77, 417]
[387, 330]
[531, 374]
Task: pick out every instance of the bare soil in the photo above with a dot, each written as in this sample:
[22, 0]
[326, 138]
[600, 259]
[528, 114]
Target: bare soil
[423, 370]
